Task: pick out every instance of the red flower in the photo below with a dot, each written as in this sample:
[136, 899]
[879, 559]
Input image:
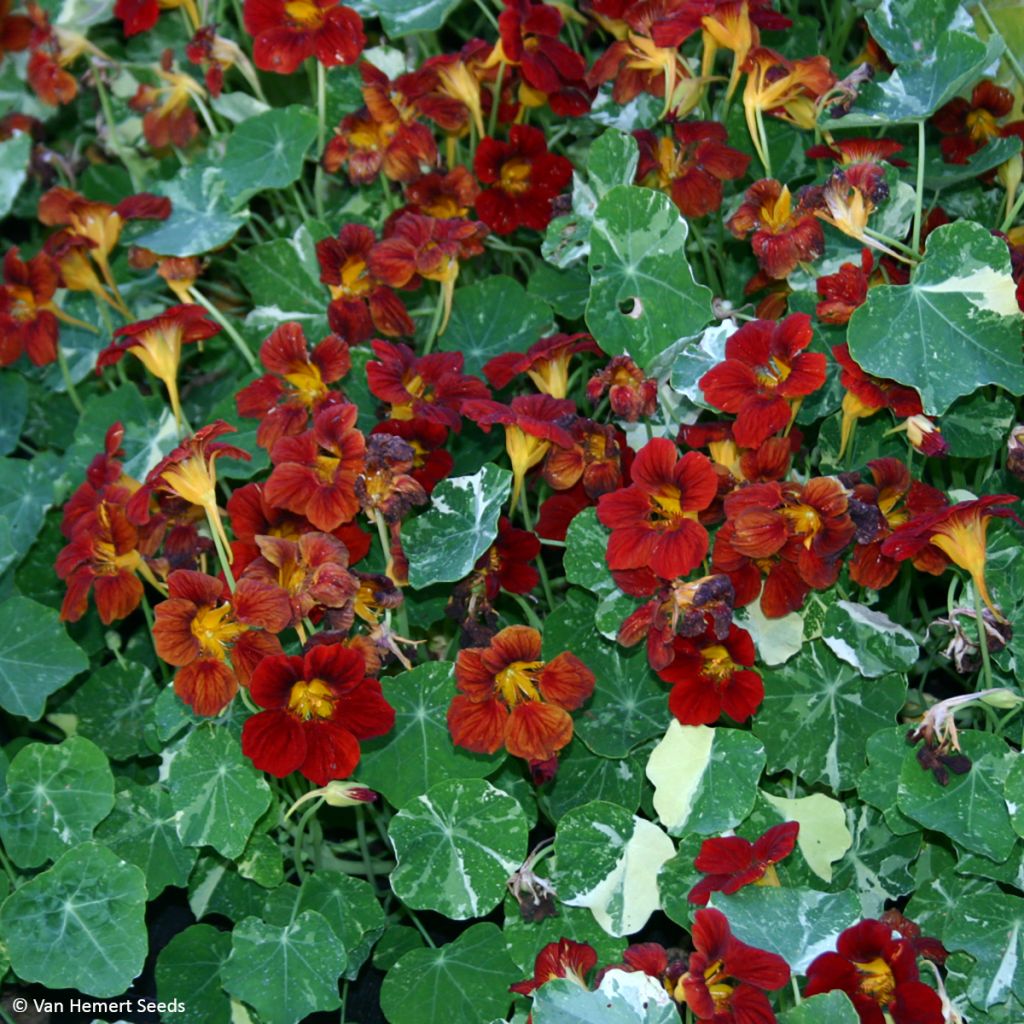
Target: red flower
[546, 362]
[315, 472]
[731, 862]
[967, 125]
[286, 32]
[719, 956]
[765, 375]
[386, 486]
[844, 291]
[431, 387]
[595, 458]
[28, 320]
[783, 237]
[360, 303]
[319, 707]
[861, 161]
[443, 195]
[654, 520]
[710, 677]
[631, 395]
[297, 383]
[879, 973]
[370, 147]
[431, 463]
[692, 167]
[562, 959]
[508, 563]
[524, 179]
[167, 115]
[215, 643]
[509, 697]
[15, 29]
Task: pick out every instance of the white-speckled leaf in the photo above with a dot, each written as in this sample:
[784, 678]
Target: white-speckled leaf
[777, 640]
[828, 1008]
[818, 714]
[954, 328]
[218, 793]
[798, 924]
[14, 154]
[1013, 793]
[622, 998]
[705, 780]
[443, 544]
[868, 639]
[402, 17]
[908, 29]
[643, 296]
[586, 563]
[991, 929]
[285, 971]
[456, 846]
[608, 860]
[824, 837]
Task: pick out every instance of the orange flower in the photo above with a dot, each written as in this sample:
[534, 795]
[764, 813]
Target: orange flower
[286, 32]
[508, 697]
[546, 362]
[167, 115]
[28, 316]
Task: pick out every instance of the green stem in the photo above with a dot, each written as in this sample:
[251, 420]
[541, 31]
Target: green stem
[9, 869]
[115, 142]
[492, 121]
[435, 321]
[488, 14]
[364, 847]
[979, 622]
[419, 927]
[222, 555]
[65, 373]
[906, 253]
[226, 325]
[766, 158]
[319, 182]
[1008, 56]
[919, 198]
[714, 280]
[531, 615]
[1011, 214]
[300, 831]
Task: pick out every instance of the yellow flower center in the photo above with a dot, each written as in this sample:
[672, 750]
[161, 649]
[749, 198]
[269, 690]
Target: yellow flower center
[518, 682]
[717, 663]
[515, 176]
[877, 980]
[982, 125]
[215, 630]
[325, 467]
[355, 280]
[773, 373]
[309, 385]
[312, 699]
[304, 13]
[23, 303]
[805, 520]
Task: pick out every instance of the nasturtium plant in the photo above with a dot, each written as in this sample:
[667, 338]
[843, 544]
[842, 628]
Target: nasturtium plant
[510, 511]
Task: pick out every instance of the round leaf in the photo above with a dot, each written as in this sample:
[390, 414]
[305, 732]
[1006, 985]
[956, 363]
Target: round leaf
[624, 997]
[188, 970]
[268, 150]
[456, 847]
[111, 704]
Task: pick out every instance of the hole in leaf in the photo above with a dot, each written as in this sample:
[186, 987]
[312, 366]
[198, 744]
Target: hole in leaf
[633, 308]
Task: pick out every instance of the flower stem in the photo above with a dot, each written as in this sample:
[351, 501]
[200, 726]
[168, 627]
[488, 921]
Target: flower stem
[1008, 56]
[115, 142]
[435, 322]
[1011, 214]
[979, 622]
[492, 121]
[319, 183]
[69, 384]
[222, 554]
[919, 197]
[229, 330]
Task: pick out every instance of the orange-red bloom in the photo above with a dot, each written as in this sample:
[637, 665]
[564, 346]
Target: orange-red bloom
[595, 459]
[318, 708]
[731, 862]
[167, 115]
[631, 395]
[764, 377]
[690, 165]
[562, 959]
[28, 321]
[967, 125]
[508, 697]
[15, 29]
[216, 640]
[546, 362]
[296, 387]
[654, 521]
[523, 179]
[286, 32]
[844, 291]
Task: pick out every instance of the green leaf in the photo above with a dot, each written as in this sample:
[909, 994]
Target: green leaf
[909, 29]
[216, 791]
[696, 359]
[917, 89]
[879, 782]
[970, 810]
[463, 982]
[444, 543]
[565, 291]
[629, 704]
[828, 1008]
[261, 861]
[868, 640]
[188, 970]
[643, 296]
[403, 17]
[978, 425]
[79, 925]
[940, 175]
[111, 703]
[56, 794]
[608, 859]
[798, 924]
[37, 657]
[1013, 792]
[418, 753]
[493, 316]
[622, 998]
[705, 780]
[397, 940]
[954, 328]
[26, 492]
[818, 713]
[141, 830]
[201, 218]
[584, 776]
[612, 160]
[456, 846]
[13, 409]
[285, 971]
[14, 156]
[268, 151]
[991, 929]
[585, 562]
[216, 887]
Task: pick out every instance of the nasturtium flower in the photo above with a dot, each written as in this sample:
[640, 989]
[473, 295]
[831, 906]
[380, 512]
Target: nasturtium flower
[286, 32]
[28, 316]
[315, 472]
[690, 165]
[764, 377]
[216, 639]
[732, 25]
[317, 709]
[15, 30]
[631, 395]
[967, 125]
[878, 971]
[167, 115]
[726, 979]
[782, 235]
[509, 697]
[452, 194]
[562, 959]
[386, 485]
[361, 305]
[138, 16]
[297, 384]
[595, 459]
[728, 863]
[844, 291]
[654, 521]
[924, 435]
[157, 344]
[545, 362]
[369, 147]
[431, 462]
[508, 563]
[710, 677]
[54, 49]
[959, 532]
